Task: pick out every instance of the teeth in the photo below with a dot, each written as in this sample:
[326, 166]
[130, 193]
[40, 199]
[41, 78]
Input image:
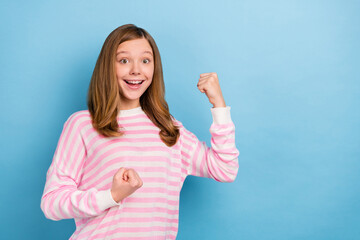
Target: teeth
[134, 82]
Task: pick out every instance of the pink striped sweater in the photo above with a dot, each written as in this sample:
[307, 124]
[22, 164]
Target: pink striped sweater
[79, 179]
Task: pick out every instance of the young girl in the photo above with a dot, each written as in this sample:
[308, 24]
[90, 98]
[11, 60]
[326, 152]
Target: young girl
[120, 165]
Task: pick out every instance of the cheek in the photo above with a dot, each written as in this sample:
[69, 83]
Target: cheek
[121, 70]
[150, 72]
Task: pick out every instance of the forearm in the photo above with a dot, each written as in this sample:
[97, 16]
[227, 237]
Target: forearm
[220, 161]
[62, 200]
[220, 102]
[64, 204]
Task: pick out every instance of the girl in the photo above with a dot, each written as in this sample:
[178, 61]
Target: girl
[119, 166]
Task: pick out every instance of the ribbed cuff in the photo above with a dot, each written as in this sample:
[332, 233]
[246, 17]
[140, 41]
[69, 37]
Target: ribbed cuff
[105, 200]
[221, 115]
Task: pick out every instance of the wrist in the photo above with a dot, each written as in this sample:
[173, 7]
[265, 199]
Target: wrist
[220, 102]
[115, 197]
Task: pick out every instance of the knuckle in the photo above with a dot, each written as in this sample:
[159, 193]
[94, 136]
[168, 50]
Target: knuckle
[117, 177]
[134, 183]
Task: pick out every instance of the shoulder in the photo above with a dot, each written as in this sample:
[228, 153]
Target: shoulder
[79, 116]
[177, 122]
[78, 119]
[184, 132]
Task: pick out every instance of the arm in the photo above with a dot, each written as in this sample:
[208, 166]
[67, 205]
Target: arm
[61, 199]
[220, 161]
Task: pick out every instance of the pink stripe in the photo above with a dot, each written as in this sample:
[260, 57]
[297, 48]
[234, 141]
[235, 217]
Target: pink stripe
[217, 127]
[90, 222]
[105, 178]
[185, 154]
[217, 170]
[62, 194]
[227, 151]
[143, 131]
[135, 229]
[54, 185]
[188, 136]
[115, 163]
[223, 133]
[188, 146]
[124, 148]
[62, 201]
[195, 158]
[90, 163]
[203, 163]
[131, 220]
[94, 203]
[68, 154]
[50, 207]
[222, 140]
[78, 199]
[69, 205]
[150, 210]
[131, 199]
[111, 173]
[77, 157]
[184, 172]
[185, 163]
[79, 169]
[85, 197]
[230, 152]
[65, 139]
[159, 180]
[158, 170]
[107, 166]
[96, 221]
[157, 190]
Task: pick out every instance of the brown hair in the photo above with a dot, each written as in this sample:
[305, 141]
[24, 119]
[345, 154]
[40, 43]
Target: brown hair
[104, 96]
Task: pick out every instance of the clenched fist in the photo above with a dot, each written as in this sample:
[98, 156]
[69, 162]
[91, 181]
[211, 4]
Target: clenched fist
[209, 84]
[125, 182]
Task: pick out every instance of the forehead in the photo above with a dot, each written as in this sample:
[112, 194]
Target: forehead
[136, 46]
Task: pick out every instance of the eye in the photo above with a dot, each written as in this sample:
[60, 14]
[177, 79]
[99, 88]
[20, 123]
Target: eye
[123, 60]
[146, 61]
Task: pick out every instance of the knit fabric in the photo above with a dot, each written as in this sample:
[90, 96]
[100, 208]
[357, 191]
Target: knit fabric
[79, 179]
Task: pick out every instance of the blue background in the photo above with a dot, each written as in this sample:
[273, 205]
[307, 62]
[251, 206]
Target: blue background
[288, 69]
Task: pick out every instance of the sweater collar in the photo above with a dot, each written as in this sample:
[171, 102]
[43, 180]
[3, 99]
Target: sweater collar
[130, 112]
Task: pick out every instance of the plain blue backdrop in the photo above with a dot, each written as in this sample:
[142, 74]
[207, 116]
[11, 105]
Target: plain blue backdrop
[288, 69]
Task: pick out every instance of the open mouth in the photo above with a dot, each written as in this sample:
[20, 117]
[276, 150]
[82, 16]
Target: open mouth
[134, 82]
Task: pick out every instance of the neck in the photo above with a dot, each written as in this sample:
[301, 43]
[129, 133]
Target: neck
[128, 105]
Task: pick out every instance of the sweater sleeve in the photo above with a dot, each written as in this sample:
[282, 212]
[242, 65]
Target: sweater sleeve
[220, 161]
[61, 198]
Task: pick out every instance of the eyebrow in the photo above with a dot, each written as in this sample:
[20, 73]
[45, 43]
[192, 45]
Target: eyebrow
[128, 52]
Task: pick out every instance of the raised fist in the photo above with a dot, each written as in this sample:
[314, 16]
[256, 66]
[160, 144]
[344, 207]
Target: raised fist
[125, 182]
[209, 84]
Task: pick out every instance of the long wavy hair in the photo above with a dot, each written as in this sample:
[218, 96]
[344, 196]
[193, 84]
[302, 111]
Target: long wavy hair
[104, 96]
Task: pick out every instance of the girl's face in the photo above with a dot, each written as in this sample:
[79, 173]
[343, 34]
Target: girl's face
[134, 71]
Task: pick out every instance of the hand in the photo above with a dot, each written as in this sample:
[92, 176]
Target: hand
[125, 182]
[209, 84]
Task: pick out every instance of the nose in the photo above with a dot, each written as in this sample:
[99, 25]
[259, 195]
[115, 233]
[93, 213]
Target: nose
[135, 69]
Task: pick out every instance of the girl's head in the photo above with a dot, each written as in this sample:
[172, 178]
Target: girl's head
[129, 53]
[134, 68]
